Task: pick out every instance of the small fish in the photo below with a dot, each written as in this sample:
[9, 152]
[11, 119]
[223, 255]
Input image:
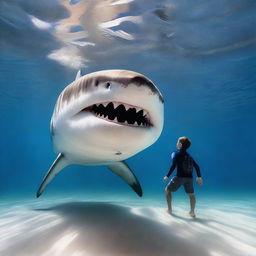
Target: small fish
[103, 118]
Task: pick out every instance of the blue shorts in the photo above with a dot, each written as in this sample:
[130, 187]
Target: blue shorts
[176, 182]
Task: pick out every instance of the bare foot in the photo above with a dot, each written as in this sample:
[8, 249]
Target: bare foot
[192, 214]
[169, 211]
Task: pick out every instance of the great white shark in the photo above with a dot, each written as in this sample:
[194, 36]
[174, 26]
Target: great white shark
[103, 118]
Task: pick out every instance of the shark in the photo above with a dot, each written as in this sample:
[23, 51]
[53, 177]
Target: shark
[104, 118]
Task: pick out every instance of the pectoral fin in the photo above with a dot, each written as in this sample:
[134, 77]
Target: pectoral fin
[123, 171]
[59, 163]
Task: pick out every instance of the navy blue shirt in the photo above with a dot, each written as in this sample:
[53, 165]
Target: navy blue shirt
[177, 161]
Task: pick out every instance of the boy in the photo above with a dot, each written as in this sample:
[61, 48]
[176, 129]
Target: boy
[184, 163]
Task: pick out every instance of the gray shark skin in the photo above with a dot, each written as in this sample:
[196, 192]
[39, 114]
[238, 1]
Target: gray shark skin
[103, 118]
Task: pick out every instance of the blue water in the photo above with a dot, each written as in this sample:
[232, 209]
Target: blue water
[200, 54]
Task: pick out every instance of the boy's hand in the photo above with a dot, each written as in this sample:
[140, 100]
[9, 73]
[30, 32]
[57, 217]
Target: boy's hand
[199, 181]
[165, 178]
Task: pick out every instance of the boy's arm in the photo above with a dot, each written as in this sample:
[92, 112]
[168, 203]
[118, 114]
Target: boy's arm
[199, 177]
[173, 166]
[197, 169]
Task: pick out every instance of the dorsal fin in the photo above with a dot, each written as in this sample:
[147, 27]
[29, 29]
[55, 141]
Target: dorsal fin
[78, 75]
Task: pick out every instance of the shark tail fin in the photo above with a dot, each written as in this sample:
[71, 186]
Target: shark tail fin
[124, 172]
[59, 163]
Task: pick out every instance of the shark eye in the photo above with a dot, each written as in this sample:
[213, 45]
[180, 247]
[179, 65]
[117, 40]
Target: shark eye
[108, 85]
[96, 83]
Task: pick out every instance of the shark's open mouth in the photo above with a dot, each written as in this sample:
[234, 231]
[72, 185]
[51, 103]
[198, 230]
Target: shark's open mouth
[120, 113]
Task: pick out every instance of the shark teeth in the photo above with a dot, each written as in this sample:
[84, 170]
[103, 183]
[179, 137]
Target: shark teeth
[121, 113]
[115, 104]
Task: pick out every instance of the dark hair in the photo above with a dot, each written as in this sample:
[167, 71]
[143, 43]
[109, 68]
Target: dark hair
[185, 142]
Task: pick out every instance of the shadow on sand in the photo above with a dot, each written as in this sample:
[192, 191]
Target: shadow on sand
[109, 229]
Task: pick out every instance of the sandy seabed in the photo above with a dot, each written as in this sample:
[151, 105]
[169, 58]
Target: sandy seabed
[64, 227]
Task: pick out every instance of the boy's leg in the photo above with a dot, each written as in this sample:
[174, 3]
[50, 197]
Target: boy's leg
[173, 185]
[192, 199]
[189, 188]
[168, 194]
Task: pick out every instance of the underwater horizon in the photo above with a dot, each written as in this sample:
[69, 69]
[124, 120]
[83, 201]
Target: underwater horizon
[201, 55]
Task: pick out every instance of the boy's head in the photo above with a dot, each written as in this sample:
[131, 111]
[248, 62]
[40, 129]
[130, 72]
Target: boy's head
[183, 143]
